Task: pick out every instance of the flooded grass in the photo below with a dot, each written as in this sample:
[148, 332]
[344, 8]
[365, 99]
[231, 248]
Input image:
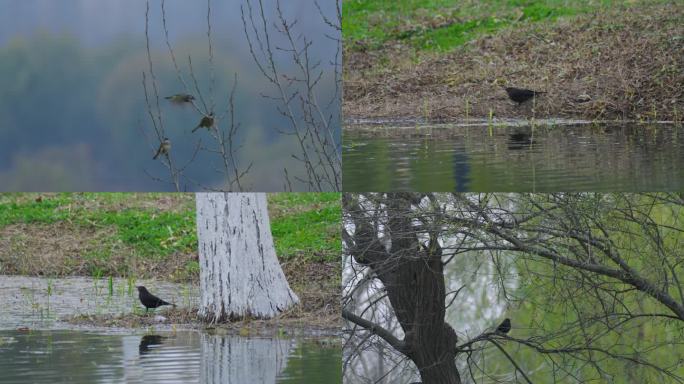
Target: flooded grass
[32, 302]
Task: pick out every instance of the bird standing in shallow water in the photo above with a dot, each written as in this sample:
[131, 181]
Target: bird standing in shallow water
[164, 148]
[520, 95]
[207, 122]
[180, 98]
[504, 327]
[149, 300]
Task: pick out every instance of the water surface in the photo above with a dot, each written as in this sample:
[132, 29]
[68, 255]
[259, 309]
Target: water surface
[180, 357]
[513, 157]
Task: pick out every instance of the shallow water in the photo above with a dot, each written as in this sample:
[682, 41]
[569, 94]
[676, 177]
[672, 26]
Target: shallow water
[173, 357]
[36, 302]
[514, 156]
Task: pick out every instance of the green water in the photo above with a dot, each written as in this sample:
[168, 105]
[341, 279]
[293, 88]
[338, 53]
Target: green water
[626, 157]
[173, 357]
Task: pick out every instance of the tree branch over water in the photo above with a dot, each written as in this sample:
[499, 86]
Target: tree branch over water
[591, 282]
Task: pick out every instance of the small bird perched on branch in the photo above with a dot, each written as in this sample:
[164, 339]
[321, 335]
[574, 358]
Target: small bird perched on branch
[149, 300]
[207, 122]
[504, 327]
[164, 148]
[180, 98]
[520, 95]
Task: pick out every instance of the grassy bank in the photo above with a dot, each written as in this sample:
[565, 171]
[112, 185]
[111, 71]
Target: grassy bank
[441, 25]
[444, 60]
[153, 235]
[150, 235]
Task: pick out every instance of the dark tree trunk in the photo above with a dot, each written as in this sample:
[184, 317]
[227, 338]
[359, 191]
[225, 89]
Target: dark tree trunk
[414, 281]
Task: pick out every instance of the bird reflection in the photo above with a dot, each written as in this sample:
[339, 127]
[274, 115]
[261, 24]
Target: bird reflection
[519, 140]
[149, 340]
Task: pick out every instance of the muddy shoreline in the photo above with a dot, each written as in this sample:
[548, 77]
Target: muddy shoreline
[84, 303]
[628, 63]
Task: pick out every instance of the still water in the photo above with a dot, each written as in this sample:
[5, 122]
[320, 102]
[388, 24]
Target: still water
[514, 157]
[180, 357]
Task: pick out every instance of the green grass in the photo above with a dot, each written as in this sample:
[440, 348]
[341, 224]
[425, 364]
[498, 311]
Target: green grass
[303, 224]
[441, 25]
[313, 234]
[150, 231]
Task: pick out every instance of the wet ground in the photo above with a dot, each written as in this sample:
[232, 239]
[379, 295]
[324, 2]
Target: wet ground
[547, 156]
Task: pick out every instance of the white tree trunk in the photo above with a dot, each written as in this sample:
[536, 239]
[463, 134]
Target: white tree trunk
[239, 273]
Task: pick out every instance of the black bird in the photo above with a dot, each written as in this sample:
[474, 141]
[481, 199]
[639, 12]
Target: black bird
[520, 95]
[504, 327]
[149, 300]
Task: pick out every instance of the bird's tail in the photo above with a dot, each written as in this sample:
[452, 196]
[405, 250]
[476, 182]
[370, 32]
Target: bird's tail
[156, 155]
[196, 128]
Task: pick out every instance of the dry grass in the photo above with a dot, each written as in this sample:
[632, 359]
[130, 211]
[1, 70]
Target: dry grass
[65, 249]
[631, 65]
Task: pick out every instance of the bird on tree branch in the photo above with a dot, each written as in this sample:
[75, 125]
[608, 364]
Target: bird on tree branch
[504, 327]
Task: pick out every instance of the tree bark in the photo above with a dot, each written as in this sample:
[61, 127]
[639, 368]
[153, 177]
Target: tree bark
[239, 273]
[419, 305]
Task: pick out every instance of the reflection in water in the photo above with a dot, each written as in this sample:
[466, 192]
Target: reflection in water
[147, 341]
[234, 359]
[627, 157]
[519, 140]
[179, 357]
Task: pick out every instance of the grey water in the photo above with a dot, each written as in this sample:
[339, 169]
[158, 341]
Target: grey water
[513, 157]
